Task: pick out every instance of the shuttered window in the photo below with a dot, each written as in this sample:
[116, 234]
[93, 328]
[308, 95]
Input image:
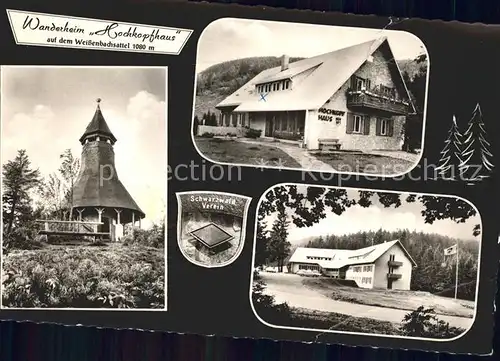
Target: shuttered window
[385, 127]
[357, 124]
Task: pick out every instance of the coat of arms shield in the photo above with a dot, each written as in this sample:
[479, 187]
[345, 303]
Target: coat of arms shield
[211, 226]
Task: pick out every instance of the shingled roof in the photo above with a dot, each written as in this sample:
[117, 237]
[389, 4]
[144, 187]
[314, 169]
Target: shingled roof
[90, 191]
[93, 189]
[98, 126]
[328, 72]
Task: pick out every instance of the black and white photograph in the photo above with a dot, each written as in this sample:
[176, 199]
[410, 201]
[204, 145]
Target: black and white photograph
[83, 155]
[408, 269]
[211, 226]
[310, 97]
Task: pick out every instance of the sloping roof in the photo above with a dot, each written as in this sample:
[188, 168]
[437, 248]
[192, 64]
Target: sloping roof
[98, 125]
[92, 190]
[342, 258]
[313, 91]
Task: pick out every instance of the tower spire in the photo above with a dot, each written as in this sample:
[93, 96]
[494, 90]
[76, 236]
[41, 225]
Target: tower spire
[97, 128]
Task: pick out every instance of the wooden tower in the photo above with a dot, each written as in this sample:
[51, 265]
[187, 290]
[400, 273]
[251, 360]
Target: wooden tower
[98, 194]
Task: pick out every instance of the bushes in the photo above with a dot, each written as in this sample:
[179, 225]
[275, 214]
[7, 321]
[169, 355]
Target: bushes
[154, 237]
[207, 135]
[21, 238]
[85, 277]
[423, 323]
[265, 305]
[253, 133]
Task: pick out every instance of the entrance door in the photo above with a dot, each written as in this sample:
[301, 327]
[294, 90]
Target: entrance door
[269, 125]
[105, 226]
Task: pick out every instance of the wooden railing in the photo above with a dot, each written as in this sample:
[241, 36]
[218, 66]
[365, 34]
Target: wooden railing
[69, 226]
[375, 101]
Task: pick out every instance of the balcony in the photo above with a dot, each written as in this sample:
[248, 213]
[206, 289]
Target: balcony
[371, 100]
[393, 276]
[394, 263]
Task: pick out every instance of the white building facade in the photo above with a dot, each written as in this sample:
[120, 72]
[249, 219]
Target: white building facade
[387, 265]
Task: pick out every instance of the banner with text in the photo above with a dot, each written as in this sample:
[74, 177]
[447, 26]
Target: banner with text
[39, 29]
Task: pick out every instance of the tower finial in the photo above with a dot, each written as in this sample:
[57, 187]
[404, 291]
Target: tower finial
[98, 100]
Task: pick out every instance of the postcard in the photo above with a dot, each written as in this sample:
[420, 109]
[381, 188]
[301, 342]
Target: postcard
[252, 173]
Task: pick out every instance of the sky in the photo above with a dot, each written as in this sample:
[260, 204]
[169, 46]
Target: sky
[375, 217]
[45, 110]
[229, 39]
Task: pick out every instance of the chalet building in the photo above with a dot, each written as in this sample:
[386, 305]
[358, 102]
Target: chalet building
[386, 265]
[98, 193]
[355, 96]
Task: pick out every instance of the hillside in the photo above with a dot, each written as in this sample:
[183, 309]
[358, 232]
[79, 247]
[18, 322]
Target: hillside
[220, 80]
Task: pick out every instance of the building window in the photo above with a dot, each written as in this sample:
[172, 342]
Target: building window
[360, 84]
[308, 267]
[383, 127]
[358, 124]
[287, 84]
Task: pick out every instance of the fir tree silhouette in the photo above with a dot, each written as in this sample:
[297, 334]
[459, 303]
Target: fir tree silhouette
[476, 156]
[448, 164]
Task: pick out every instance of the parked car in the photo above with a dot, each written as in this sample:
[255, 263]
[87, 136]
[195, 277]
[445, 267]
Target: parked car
[272, 269]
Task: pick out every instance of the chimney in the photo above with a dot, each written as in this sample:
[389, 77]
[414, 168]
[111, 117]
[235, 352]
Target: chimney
[285, 61]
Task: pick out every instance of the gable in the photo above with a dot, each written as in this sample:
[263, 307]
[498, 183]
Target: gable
[331, 71]
[399, 246]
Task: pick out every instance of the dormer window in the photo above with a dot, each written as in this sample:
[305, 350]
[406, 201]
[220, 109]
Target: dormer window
[274, 86]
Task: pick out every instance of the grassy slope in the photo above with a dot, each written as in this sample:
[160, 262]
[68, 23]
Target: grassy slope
[220, 80]
[85, 276]
[404, 300]
[230, 151]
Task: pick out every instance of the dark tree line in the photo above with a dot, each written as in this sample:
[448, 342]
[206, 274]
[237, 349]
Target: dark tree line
[433, 273]
[416, 84]
[207, 118]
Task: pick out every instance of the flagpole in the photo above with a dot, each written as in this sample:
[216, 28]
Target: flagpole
[456, 275]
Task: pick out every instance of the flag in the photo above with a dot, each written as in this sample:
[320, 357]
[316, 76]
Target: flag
[450, 250]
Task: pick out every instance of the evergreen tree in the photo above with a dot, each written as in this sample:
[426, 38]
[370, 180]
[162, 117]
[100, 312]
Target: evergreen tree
[213, 120]
[18, 180]
[262, 243]
[451, 155]
[196, 124]
[476, 156]
[279, 247]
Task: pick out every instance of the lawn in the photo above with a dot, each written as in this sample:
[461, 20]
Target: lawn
[234, 152]
[304, 318]
[357, 162]
[403, 300]
[112, 276]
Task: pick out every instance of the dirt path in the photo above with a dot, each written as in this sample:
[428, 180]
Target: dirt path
[288, 288]
[307, 161]
[398, 154]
